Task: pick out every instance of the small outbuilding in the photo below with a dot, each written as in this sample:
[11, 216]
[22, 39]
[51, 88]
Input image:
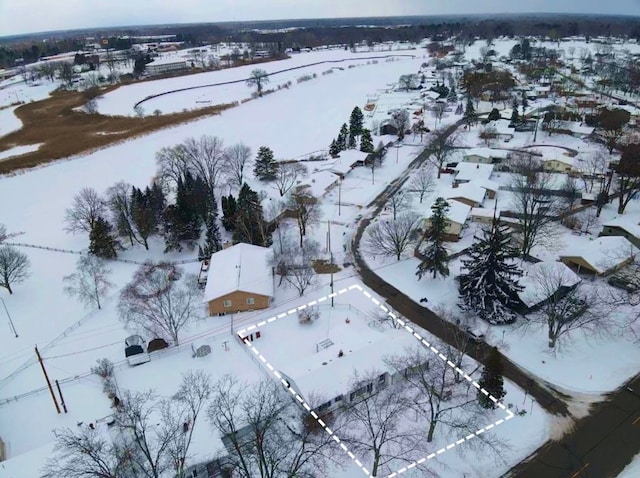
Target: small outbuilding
[601, 256]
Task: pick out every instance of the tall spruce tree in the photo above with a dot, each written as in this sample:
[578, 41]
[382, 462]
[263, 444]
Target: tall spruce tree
[102, 243]
[469, 115]
[212, 241]
[143, 216]
[229, 210]
[489, 287]
[491, 380]
[343, 137]
[334, 149]
[355, 123]
[435, 258]
[182, 220]
[250, 225]
[366, 141]
[265, 167]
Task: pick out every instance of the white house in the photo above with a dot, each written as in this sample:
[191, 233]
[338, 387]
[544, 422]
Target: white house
[160, 66]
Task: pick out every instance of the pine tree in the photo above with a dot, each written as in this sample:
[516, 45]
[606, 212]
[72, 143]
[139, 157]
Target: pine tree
[459, 109]
[452, 97]
[266, 166]
[469, 113]
[102, 243]
[355, 123]
[229, 210]
[515, 117]
[250, 225]
[212, 241]
[491, 380]
[366, 141]
[157, 201]
[489, 287]
[494, 115]
[182, 220]
[334, 150]
[435, 257]
[343, 136]
[143, 216]
[352, 141]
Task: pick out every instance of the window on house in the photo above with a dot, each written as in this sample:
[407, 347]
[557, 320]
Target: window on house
[324, 406]
[251, 301]
[382, 378]
[227, 303]
[338, 398]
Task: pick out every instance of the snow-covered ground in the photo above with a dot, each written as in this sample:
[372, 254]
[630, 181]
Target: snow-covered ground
[122, 100]
[9, 121]
[18, 150]
[632, 470]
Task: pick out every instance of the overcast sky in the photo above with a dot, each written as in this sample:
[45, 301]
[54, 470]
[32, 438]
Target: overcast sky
[26, 16]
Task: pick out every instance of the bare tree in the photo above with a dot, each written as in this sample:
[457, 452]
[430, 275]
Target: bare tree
[398, 203]
[90, 283]
[628, 171]
[287, 175]
[571, 192]
[183, 411]
[400, 119]
[441, 147]
[565, 307]
[157, 303]
[299, 270]
[267, 433]
[48, 70]
[258, 78]
[14, 267]
[392, 237]
[438, 112]
[305, 209]
[65, 72]
[236, 158]
[422, 183]
[379, 426]
[86, 454]
[119, 203]
[587, 220]
[536, 209]
[86, 208]
[593, 168]
[3, 233]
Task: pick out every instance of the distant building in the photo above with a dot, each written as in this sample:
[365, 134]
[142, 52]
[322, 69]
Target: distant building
[162, 66]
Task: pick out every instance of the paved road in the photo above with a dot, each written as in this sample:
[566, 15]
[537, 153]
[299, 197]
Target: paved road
[600, 445]
[550, 399]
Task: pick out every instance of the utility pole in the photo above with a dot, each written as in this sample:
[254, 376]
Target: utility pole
[331, 258]
[44, 371]
[64, 406]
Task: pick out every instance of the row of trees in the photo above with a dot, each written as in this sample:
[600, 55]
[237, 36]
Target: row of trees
[349, 135]
[267, 434]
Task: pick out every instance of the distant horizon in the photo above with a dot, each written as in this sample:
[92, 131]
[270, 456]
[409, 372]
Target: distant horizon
[307, 19]
[17, 18]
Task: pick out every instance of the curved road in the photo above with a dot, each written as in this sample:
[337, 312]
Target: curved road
[599, 445]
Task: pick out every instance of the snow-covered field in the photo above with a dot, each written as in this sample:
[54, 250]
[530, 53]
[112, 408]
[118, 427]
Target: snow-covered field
[122, 100]
[18, 150]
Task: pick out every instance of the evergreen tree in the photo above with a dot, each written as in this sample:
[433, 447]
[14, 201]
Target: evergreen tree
[452, 97]
[491, 380]
[212, 241]
[343, 136]
[469, 113]
[266, 166]
[489, 287]
[459, 109]
[229, 209]
[355, 123]
[352, 141]
[143, 216]
[525, 102]
[494, 115]
[366, 141]
[250, 225]
[157, 201]
[102, 243]
[182, 220]
[435, 257]
[334, 150]
[515, 117]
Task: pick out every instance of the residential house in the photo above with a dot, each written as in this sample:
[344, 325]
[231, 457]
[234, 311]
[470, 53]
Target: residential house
[536, 280]
[484, 155]
[466, 172]
[471, 194]
[559, 164]
[602, 256]
[239, 280]
[161, 66]
[483, 215]
[457, 216]
[627, 226]
[490, 186]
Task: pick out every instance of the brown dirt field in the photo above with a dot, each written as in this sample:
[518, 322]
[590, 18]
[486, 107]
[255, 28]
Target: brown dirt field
[65, 132]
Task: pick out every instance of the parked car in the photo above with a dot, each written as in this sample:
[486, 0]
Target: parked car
[474, 336]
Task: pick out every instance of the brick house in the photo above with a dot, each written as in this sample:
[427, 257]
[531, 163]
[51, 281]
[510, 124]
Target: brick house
[239, 280]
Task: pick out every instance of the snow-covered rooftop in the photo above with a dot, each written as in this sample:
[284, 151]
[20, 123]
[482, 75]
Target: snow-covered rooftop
[604, 252]
[458, 212]
[342, 164]
[241, 267]
[534, 281]
[628, 222]
[486, 153]
[472, 191]
[471, 171]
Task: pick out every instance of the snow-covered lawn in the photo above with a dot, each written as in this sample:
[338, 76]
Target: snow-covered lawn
[632, 470]
[9, 122]
[18, 150]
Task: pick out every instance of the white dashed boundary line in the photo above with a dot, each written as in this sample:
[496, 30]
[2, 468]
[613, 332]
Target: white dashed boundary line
[418, 337]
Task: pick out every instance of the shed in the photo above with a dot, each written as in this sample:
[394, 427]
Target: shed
[627, 226]
[601, 256]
